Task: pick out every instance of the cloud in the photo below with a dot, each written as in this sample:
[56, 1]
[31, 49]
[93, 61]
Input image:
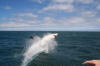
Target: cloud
[39, 1]
[7, 7]
[88, 13]
[60, 5]
[20, 20]
[74, 22]
[16, 19]
[14, 25]
[51, 22]
[58, 14]
[98, 7]
[85, 1]
[98, 20]
[26, 15]
[63, 1]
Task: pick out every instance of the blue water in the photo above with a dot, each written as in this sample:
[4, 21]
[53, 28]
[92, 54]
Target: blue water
[73, 48]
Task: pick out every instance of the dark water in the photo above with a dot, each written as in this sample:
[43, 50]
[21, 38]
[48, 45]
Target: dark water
[73, 48]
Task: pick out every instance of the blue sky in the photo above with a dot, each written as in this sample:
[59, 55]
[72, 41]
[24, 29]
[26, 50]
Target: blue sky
[60, 15]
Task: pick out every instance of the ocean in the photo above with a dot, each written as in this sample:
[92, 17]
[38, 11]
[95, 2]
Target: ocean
[73, 48]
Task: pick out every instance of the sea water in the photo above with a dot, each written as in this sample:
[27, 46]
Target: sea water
[72, 48]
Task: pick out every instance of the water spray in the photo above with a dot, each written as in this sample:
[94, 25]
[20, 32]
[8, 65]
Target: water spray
[39, 45]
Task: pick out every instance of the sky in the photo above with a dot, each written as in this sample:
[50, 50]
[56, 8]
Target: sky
[49, 15]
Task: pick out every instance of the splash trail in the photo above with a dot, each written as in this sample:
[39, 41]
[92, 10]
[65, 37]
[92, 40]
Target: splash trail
[45, 44]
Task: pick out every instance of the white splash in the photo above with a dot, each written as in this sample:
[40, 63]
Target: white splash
[39, 45]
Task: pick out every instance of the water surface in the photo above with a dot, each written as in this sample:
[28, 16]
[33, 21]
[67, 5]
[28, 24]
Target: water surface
[73, 48]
